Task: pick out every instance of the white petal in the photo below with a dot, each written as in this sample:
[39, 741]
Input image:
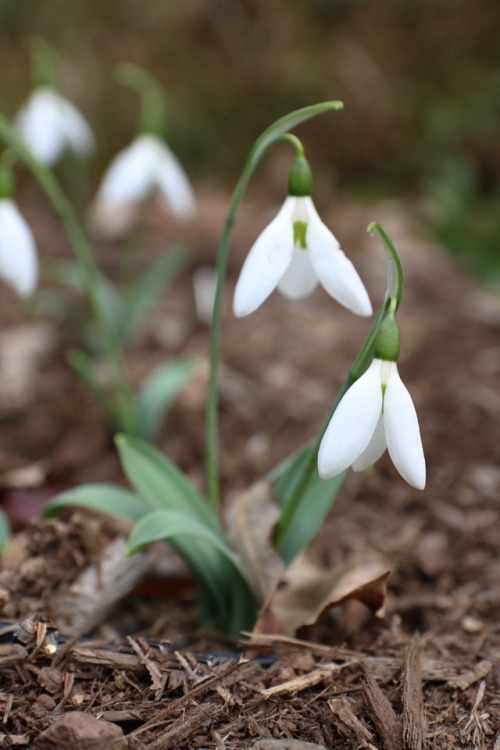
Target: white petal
[75, 128]
[352, 425]
[402, 432]
[38, 126]
[130, 176]
[335, 271]
[300, 278]
[173, 183]
[18, 257]
[266, 262]
[376, 448]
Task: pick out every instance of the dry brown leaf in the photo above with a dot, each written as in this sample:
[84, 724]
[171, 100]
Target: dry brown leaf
[308, 593]
[252, 518]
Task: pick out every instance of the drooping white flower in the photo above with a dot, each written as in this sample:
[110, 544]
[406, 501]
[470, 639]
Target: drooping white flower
[294, 253]
[49, 125]
[145, 166]
[18, 256]
[376, 413]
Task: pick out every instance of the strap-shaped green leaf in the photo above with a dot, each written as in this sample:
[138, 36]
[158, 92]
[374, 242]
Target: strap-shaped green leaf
[160, 483]
[105, 498]
[158, 392]
[317, 498]
[212, 562]
[5, 531]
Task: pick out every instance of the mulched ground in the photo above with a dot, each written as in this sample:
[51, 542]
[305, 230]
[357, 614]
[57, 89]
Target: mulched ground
[424, 673]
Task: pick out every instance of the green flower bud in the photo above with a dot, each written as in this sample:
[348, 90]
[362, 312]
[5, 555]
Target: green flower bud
[300, 178]
[387, 342]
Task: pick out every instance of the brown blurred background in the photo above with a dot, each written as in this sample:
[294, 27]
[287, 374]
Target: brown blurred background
[420, 80]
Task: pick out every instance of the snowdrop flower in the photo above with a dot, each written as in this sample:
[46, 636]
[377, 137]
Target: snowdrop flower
[18, 257]
[376, 413]
[295, 252]
[49, 125]
[146, 165]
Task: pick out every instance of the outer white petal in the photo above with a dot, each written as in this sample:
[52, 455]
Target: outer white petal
[375, 449]
[352, 425]
[173, 183]
[300, 277]
[75, 128]
[18, 256]
[266, 262]
[130, 176]
[335, 271]
[402, 432]
[38, 126]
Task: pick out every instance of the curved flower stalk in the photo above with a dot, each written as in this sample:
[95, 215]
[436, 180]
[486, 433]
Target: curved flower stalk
[295, 252]
[375, 414]
[145, 166]
[18, 255]
[50, 125]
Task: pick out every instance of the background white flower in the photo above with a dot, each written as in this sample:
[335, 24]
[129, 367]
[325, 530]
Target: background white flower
[376, 413]
[145, 166]
[18, 256]
[293, 253]
[49, 125]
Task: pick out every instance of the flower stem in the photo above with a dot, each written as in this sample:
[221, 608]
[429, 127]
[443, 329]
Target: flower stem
[125, 415]
[273, 134]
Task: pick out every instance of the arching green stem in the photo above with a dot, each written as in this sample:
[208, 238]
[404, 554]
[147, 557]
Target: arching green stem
[391, 300]
[272, 135]
[125, 411]
[153, 108]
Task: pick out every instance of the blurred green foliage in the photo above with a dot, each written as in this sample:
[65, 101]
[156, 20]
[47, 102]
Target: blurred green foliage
[419, 78]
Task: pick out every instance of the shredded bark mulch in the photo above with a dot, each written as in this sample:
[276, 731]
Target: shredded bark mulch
[80, 667]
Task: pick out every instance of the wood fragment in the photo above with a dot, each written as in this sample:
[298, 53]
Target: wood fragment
[298, 684]
[348, 724]
[14, 740]
[11, 653]
[158, 680]
[465, 680]
[107, 658]
[413, 702]
[388, 725]
[183, 728]
[90, 598]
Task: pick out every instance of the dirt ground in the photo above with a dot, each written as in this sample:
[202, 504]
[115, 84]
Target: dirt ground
[423, 673]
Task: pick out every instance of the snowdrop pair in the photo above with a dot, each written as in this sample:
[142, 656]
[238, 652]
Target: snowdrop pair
[376, 413]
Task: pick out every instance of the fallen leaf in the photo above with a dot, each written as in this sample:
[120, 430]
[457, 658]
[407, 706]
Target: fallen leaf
[308, 593]
[252, 517]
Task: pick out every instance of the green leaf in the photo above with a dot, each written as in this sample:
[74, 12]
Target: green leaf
[158, 392]
[289, 122]
[160, 483]
[315, 502]
[212, 563]
[5, 531]
[149, 286]
[85, 367]
[105, 498]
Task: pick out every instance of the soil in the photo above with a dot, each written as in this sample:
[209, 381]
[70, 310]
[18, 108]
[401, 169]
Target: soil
[423, 672]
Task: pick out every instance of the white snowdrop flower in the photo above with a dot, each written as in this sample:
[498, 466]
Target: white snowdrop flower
[295, 252]
[18, 256]
[146, 165]
[376, 413]
[49, 125]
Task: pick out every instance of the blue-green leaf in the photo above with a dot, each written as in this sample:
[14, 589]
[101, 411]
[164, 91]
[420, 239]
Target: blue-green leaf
[158, 392]
[146, 290]
[105, 498]
[316, 500]
[160, 483]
